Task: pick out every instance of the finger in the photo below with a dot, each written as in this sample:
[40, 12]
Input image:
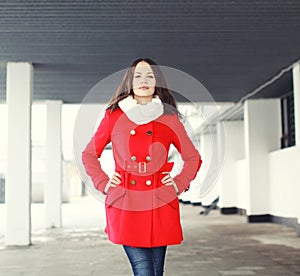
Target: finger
[115, 181]
[168, 176]
[113, 185]
[169, 184]
[165, 178]
[116, 178]
[117, 174]
[165, 181]
[168, 180]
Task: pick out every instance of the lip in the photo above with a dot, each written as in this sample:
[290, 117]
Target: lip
[144, 87]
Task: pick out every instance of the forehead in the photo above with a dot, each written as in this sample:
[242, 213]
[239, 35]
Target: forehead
[143, 67]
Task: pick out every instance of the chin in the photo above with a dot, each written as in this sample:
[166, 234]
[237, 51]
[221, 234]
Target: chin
[138, 94]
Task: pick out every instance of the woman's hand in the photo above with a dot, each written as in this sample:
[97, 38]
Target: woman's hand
[113, 182]
[168, 181]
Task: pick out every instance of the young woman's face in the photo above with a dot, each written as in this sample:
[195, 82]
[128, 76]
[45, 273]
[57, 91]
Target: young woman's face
[143, 83]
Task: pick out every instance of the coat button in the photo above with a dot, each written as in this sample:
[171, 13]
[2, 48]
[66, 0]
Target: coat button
[133, 158]
[149, 132]
[132, 182]
[148, 182]
[132, 132]
[148, 158]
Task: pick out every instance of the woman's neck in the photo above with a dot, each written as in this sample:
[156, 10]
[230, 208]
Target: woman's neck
[143, 100]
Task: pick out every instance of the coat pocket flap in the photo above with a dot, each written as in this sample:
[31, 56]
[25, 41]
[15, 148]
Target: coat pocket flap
[114, 195]
[165, 195]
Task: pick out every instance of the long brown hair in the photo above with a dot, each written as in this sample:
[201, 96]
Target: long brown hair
[161, 89]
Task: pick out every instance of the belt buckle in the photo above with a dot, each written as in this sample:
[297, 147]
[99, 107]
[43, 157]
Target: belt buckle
[142, 167]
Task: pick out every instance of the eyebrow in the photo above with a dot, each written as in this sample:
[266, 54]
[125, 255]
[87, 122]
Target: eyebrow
[141, 73]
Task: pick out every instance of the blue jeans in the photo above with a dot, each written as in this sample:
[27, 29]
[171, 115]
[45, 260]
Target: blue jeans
[146, 261]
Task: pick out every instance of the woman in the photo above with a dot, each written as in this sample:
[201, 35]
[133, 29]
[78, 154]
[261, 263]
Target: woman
[142, 210]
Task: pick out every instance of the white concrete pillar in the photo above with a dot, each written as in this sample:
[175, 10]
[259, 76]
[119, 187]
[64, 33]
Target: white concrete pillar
[262, 124]
[234, 151]
[296, 88]
[53, 186]
[209, 188]
[296, 85]
[18, 178]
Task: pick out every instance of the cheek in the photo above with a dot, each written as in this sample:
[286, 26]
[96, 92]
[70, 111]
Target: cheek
[135, 90]
[152, 89]
[135, 83]
[152, 82]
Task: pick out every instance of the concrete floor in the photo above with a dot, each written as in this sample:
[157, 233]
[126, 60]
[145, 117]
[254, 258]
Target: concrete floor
[214, 245]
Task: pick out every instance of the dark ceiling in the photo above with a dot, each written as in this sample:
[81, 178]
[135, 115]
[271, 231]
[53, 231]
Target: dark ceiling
[231, 47]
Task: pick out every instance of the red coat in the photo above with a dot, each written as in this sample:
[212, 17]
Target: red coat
[142, 211]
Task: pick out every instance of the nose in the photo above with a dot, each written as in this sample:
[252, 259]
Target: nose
[143, 80]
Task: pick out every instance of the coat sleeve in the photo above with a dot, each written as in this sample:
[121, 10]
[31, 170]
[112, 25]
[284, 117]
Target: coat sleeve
[94, 150]
[189, 154]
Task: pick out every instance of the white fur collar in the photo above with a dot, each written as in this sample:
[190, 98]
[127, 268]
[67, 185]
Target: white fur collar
[141, 113]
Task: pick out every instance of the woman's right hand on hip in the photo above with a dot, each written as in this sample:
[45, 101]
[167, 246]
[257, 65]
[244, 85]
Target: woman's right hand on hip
[114, 181]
